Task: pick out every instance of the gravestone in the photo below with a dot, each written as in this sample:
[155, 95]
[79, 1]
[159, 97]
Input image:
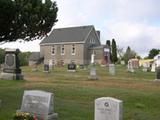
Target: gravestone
[112, 69]
[93, 74]
[130, 67]
[153, 69]
[39, 103]
[107, 108]
[72, 67]
[11, 69]
[50, 64]
[46, 68]
[158, 74]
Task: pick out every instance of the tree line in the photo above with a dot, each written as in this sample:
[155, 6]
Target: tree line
[117, 53]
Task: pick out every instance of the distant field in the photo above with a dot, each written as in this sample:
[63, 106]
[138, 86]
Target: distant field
[75, 94]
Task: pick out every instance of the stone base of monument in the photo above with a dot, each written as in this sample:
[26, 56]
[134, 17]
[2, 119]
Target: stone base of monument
[11, 76]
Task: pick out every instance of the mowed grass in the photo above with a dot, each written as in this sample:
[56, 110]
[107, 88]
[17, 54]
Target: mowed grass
[74, 93]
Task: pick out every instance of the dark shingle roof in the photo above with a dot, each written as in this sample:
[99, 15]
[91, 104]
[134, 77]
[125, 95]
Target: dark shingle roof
[71, 34]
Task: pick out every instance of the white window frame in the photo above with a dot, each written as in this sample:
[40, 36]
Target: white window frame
[73, 46]
[53, 46]
[62, 47]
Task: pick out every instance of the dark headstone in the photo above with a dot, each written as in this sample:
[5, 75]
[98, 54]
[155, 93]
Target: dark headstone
[81, 66]
[46, 68]
[11, 69]
[72, 67]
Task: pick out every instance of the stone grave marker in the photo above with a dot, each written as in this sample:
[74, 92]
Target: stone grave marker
[112, 69]
[11, 69]
[93, 74]
[72, 67]
[108, 108]
[39, 103]
[50, 64]
[153, 68]
[157, 74]
[46, 68]
[130, 67]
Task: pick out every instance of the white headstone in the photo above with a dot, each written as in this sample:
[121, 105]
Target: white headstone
[130, 66]
[50, 64]
[107, 108]
[37, 102]
[153, 69]
[112, 69]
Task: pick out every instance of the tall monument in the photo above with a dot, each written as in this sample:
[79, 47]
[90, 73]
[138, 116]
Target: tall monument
[11, 70]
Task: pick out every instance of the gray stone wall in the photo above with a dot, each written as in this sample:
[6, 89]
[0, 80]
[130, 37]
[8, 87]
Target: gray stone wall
[67, 57]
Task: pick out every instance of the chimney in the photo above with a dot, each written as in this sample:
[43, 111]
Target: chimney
[98, 33]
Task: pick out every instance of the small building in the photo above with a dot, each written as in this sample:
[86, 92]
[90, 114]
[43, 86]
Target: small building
[74, 44]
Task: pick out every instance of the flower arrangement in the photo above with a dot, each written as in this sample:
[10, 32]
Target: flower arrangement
[24, 116]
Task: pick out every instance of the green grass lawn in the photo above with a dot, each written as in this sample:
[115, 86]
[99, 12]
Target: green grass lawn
[74, 94]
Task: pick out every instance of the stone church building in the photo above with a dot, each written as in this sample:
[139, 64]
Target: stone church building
[74, 44]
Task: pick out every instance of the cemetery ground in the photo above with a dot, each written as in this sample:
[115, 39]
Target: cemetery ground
[74, 93]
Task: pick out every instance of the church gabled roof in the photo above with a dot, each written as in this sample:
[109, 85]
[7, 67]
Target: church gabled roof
[70, 34]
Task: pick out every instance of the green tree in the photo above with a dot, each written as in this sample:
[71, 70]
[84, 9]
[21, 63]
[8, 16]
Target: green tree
[114, 51]
[2, 55]
[24, 58]
[108, 43]
[153, 52]
[26, 19]
[129, 54]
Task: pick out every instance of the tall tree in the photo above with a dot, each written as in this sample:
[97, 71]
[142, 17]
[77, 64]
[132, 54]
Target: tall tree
[129, 54]
[26, 19]
[108, 43]
[153, 52]
[2, 55]
[114, 51]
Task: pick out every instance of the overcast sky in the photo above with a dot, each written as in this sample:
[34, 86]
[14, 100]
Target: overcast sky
[134, 23]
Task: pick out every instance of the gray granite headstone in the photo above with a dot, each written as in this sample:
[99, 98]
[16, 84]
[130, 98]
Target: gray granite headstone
[11, 69]
[93, 74]
[158, 74]
[107, 108]
[112, 69]
[39, 103]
